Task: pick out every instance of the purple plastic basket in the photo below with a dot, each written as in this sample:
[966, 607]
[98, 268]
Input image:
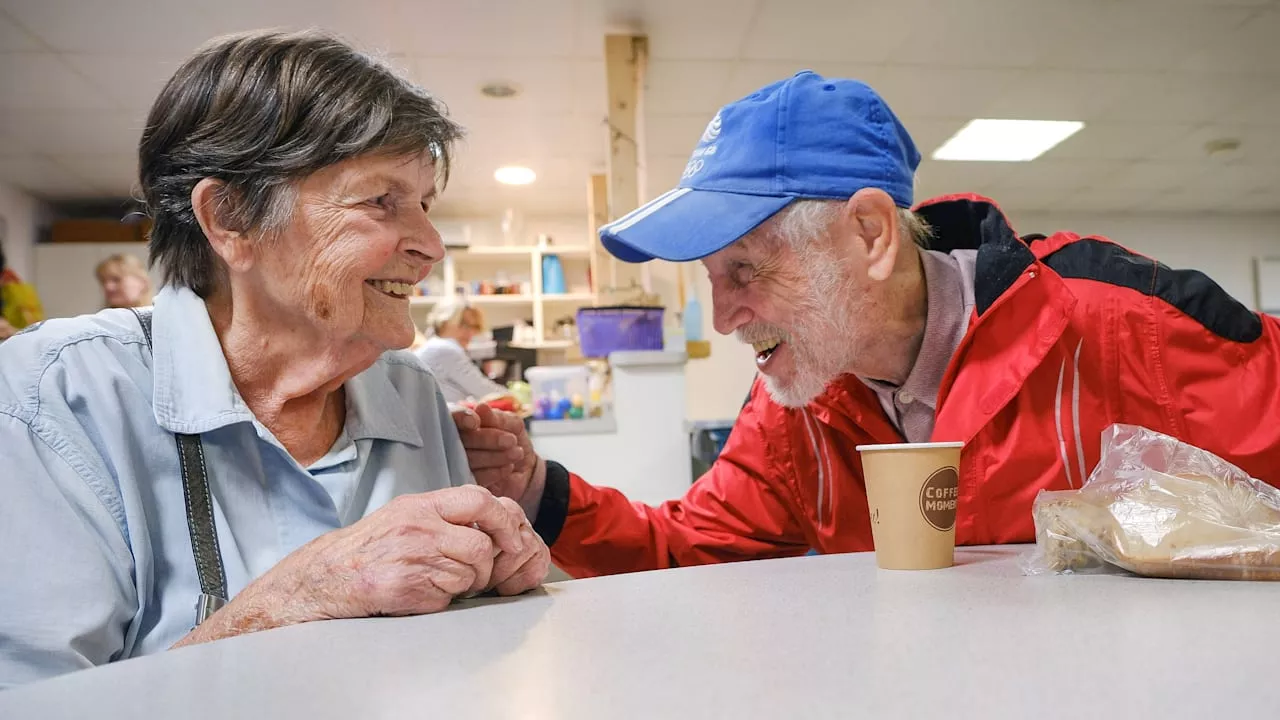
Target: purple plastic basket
[602, 330]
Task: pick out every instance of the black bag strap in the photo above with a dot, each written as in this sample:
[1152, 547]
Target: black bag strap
[195, 488]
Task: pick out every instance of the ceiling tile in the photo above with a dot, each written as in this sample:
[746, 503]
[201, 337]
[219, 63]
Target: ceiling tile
[117, 26]
[131, 81]
[687, 86]
[546, 86]
[850, 31]
[70, 131]
[1061, 94]
[42, 177]
[504, 28]
[1062, 176]
[1118, 141]
[590, 91]
[1250, 47]
[1261, 105]
[590, 23]
[953, 35]
[1177, 99]
[525, 140]
[1150, 176]
[110, 175]
[703, 30]
[929, 92]
[370, 24]
[1258, 145]
[1122, 36]
[749, 76]
[43, 81]
[14, 38]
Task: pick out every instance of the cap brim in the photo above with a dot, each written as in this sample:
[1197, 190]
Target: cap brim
[687, 224]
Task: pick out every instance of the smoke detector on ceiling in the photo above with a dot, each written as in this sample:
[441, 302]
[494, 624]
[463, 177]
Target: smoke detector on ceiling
[499, 90]
[1222, 147]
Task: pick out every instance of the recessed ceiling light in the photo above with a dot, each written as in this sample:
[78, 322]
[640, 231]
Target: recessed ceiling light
[498, 90]
[514, 175]
[1006, 140]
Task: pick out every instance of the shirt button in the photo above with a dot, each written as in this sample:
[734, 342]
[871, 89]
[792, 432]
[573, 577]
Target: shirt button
[906, 398]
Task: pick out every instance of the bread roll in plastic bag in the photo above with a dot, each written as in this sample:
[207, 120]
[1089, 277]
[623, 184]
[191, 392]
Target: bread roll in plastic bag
[1159, 507]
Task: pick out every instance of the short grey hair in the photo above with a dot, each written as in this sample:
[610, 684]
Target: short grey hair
[803, 220]
[260, 111]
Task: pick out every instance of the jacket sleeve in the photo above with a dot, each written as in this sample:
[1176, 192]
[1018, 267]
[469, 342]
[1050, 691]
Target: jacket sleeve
[739, 510]
[1223, 393]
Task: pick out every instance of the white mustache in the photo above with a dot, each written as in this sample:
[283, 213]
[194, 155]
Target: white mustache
[751, 334]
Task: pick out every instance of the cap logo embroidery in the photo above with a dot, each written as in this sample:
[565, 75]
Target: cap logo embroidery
[713, 129]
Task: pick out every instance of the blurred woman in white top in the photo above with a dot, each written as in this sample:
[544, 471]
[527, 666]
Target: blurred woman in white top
[454, 324]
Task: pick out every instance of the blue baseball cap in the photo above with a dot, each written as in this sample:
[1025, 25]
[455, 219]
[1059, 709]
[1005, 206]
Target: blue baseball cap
[804, 137]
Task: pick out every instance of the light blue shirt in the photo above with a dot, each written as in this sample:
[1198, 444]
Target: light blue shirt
[95, 555]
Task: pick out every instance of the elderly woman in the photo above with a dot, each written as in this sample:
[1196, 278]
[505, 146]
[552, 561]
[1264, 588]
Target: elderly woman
[454, 324]
[252, 439]
[124, 281]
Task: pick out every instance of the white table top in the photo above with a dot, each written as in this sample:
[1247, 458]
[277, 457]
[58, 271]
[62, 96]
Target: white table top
[801, 638]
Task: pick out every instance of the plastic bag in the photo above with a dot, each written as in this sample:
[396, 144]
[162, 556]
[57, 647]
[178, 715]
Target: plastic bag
[1159, 507]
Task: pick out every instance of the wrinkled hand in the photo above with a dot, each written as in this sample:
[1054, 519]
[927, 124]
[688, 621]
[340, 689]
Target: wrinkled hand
[501, 455]
[412, 556]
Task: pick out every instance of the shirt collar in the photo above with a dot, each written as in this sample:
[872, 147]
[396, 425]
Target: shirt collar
[194, 393]
[950, 302]
[375, 409]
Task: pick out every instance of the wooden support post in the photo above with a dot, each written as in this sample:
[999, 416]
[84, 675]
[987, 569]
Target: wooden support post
[626, 60]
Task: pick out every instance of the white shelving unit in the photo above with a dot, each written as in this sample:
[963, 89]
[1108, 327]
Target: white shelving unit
[517, 260]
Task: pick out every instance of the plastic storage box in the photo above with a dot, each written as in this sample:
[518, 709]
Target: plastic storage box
[602, 330]
[559, 392]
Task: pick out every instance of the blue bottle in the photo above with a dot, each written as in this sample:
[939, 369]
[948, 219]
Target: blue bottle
[692, 317]
[552, 275]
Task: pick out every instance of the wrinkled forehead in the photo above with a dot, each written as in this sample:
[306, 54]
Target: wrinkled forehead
[763, 241]
[375, 173]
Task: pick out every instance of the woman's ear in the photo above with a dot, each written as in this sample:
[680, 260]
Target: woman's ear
[873, 217]
[209, 202]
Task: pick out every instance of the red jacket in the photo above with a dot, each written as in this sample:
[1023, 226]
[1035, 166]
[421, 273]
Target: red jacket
[1068, 336]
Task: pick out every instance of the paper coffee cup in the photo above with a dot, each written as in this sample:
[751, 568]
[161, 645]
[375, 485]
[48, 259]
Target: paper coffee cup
[912, 490]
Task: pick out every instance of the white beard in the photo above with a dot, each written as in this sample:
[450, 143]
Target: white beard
[822, 340]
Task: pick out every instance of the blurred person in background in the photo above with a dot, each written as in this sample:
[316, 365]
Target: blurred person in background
[124, 281]
[249, 446]
[453, 324]
[19, 303]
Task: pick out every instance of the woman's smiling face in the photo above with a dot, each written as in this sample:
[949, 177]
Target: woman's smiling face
[358, 241]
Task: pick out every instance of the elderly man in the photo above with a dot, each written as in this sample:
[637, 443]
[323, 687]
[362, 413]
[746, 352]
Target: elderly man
[875, 323]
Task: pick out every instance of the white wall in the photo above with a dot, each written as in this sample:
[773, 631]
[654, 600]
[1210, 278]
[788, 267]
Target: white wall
[64, 275]
[1223, 247]
[22, 214]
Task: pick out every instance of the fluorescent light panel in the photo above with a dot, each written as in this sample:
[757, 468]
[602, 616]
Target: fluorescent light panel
[1006, 140]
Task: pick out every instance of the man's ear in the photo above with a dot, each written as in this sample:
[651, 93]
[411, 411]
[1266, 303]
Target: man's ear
[210, 200]
[873, 217]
